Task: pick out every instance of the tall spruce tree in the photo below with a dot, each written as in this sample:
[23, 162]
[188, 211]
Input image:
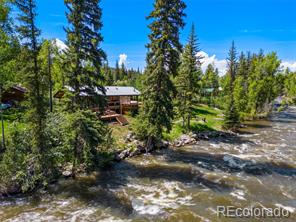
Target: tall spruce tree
[231, 119]
[9, 48]
[163, 59]
[108, 74]
[123, 72]
[117, 72]
[241, 84]
[83, 62]
[33, 78]
[85, 56]
[187, 80]
[210, 84]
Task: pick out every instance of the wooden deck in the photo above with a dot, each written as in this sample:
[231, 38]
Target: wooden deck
[110, 115]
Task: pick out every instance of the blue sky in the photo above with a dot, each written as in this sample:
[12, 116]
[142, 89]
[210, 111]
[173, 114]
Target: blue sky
[252, 24]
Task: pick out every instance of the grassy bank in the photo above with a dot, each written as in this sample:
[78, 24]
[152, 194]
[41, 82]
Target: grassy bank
[213, 121]
[205, 119]
[119, 132]
[10, 117]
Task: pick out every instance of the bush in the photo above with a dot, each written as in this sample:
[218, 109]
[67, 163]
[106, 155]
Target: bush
[23, 168]
[20, 168]
[142, 128]
[86, 138]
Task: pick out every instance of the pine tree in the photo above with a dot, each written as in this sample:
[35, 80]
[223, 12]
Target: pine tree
[117, 72]
[84, 59]
[187, 80]
[210, 84]
[241, 84]
[108, 74]
[231, 119]
[163, 59]
[45, 60]
[215, 82]
[123, 72]
[9, 49]
[84, 56]
[34, 81]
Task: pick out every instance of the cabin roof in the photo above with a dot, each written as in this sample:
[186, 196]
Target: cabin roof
[109, 91]
[13, 93]
[121, 91]
[19, 88]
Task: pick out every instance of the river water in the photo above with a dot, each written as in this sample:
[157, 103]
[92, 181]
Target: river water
[256, 168]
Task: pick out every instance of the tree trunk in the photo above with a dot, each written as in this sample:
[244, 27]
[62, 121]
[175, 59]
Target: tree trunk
[183, 121]
[149, 144]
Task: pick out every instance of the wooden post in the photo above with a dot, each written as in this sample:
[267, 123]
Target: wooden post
[120, 105]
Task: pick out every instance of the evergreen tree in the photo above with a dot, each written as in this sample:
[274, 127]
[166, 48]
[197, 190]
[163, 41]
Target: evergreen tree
[123, 72]
[210, 84]
[9, 50]
[187, 80]
[162, 63]
[117, 72]
[241, 84]
[83, 63]
[231, 119]
[216, 82]
[108, 74]
[84, 57]
[33, 79]
[210, 80]
[45, 59]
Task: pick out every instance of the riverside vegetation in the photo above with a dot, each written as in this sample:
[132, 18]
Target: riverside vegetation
[178, 98]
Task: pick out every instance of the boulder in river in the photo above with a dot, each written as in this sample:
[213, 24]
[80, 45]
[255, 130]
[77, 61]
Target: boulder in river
[185, 140]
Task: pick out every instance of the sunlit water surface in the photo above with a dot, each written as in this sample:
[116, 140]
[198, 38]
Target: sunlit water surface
[256, 168]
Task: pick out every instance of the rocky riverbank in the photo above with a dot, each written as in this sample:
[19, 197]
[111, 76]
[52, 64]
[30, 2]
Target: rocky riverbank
[135, 147]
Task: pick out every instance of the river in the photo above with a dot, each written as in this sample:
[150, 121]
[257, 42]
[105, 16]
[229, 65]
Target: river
[255, 168]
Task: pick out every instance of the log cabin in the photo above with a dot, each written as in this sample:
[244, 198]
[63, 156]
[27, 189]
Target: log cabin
[13, 95]
[120, 100]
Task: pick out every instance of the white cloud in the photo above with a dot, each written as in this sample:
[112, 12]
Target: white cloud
[122, 59]
[290, 65]
[220, 64]
[61, 45]
[251, 30]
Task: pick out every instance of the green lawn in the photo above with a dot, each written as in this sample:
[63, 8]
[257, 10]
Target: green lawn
[9, 117]
[213, 121]
[119, 132]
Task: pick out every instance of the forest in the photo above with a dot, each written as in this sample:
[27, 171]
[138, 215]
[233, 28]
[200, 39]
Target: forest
[43, 136]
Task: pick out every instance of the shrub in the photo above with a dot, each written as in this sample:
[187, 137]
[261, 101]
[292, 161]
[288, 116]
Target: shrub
[20, 167]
